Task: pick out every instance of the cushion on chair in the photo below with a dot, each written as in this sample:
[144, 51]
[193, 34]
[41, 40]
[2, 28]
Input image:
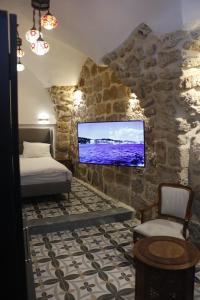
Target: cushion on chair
[160, 227]
[174, 201]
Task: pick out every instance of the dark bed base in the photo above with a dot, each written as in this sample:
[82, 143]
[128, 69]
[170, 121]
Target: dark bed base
[45, 189]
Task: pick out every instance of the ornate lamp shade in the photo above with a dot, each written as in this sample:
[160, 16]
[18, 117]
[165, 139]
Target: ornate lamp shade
[32, 35]
[20, 53]
[48, 21]
[40, 47]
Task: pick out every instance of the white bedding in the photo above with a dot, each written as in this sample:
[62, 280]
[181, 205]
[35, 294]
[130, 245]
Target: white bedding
[42, 170]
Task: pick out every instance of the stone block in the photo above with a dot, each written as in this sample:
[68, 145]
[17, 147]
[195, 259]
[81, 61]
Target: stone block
[190, 61]
[149, 62]
[150, 111]
[119, 107]
[151, 49]
[98, 84]
[62, 145]
[123, 179]
[151, 192]
[142, 31]
[192, 45]
[167, 174]
[150, 77]
[102, 68]
[108, 108]
[108, 175]
[85, 72]
[166, 58]
[114, 78]
[113, 117]
[105, 80]
[139, 53]
[161, 153]
[95, 179]
[138, 185]
[171, 73]
[113, 92]
[163, 86]
[122, 92]
[132, 61]
[100, 109]
[190, 81]
[106, 95]
[174, 156]
[106, 60]
[170, 40]
[81, 82]
[94, 70]
[97, 97]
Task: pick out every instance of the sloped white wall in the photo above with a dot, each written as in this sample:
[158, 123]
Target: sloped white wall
[190, 13]
[33, 99]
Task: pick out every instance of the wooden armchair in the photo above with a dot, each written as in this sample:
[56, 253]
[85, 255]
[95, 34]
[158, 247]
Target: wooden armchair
[174, 212]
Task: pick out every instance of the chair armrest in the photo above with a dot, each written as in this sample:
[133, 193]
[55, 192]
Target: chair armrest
[142, 211]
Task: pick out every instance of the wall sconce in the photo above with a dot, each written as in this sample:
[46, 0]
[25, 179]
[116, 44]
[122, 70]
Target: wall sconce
[43, 118]
[133, 100]
[77, 96]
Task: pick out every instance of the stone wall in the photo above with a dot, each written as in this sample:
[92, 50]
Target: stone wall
[62, 98]
[106, 98]
[163, 73]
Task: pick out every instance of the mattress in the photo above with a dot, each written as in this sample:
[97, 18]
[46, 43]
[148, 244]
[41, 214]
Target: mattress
[42, 170]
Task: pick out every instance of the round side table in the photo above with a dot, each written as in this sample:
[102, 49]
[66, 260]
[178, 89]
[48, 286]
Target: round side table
[165, 268]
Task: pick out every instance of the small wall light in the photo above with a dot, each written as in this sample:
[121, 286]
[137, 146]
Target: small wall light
[133, 100]
[43, 118]
[77, 96]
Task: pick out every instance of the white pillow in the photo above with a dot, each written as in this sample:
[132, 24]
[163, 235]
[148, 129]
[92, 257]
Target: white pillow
[36, 150]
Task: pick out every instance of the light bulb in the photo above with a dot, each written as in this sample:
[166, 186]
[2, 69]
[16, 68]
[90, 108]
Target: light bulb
[48, 21]
[32, 35]
[20, 66]
[78, 96]
[40, 47]
[20, 53]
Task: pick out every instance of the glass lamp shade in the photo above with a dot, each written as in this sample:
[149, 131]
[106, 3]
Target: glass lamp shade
[48, 21]
[32, 35]
[40, 47]
[20, 53]
[20, 66]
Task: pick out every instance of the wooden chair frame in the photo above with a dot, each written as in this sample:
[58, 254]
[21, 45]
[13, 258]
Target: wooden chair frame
[158, 204]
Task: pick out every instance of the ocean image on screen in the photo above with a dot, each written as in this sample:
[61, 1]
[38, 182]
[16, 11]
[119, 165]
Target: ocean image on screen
[112, 143]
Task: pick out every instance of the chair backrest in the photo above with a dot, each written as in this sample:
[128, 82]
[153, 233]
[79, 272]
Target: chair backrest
[175, 200]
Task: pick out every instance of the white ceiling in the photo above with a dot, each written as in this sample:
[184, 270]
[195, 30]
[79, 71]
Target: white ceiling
[93, 28]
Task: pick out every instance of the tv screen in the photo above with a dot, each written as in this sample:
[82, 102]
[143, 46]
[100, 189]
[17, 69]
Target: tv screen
[118, 143]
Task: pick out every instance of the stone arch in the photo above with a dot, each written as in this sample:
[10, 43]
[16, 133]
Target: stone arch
[164, 73]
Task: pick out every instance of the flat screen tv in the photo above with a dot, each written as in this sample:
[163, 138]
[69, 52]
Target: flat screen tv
[119, 143]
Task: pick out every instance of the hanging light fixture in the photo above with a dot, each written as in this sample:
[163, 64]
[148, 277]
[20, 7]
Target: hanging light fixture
[20, 53]
[40, 47]
[20, 66]
[48, 21]
[33, 34]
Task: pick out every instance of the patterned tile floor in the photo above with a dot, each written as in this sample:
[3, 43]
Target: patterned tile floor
[92, 263]
[82, 200]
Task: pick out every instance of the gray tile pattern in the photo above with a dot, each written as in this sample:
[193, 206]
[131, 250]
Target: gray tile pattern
[82, 200]
[92, 263]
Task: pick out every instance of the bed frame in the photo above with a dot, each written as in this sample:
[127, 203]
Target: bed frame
[41, 135]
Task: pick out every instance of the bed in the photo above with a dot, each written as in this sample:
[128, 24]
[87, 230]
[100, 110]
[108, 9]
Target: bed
[41, 175]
